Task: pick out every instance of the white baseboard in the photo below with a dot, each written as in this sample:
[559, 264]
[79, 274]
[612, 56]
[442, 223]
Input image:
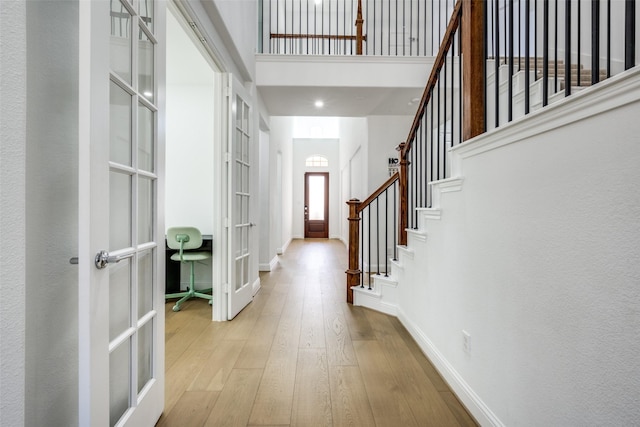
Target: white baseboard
[255, 286]
[268, 266]
[480, 411]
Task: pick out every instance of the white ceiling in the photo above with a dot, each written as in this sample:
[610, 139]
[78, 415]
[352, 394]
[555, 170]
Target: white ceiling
[339, 101]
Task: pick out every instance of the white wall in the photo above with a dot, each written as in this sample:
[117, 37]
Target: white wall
[266, 221]
[13, 127]
[385, 134]
[38, 194]
[537, 258]
[303, 148]
[281, 145]
[189, 197]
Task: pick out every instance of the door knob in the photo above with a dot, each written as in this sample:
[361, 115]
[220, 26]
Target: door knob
[103, 258]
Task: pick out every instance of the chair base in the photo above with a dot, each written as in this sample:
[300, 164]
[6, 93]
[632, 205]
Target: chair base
[191, 293]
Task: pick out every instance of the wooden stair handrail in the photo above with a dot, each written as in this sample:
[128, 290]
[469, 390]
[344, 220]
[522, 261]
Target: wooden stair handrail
[388, 183]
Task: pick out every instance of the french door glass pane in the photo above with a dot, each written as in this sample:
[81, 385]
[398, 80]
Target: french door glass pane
[245, 210]
[120, 41]
[145, 9]
[145, 139]
[119, 125]
[119, 297]
[245, 178]
[316, 197]
[239, 269]
[145, 353]
[245, 271]
[145, 65]
[119, 210]
[145, 282]
[145, 210]
[119, 373]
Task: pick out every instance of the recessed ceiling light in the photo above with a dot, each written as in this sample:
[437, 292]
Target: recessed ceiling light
[148, 94]
[319, 104]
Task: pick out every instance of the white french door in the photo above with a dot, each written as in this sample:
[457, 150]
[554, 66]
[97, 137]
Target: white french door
[121, 235]
[239, 203]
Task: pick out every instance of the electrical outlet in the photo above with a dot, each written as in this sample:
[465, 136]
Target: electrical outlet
[466, 342]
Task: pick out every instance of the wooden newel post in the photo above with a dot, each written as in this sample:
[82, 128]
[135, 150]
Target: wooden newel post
[473, 57]
[359, 22]
[353, 273]
[404, 196]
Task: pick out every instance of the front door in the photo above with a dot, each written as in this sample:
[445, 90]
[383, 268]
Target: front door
[121, 235]
[316, 204]
[239, 203]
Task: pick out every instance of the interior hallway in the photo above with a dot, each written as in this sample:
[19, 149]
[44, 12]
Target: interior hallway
[299, 355]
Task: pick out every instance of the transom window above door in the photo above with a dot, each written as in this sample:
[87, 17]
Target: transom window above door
[317, 161]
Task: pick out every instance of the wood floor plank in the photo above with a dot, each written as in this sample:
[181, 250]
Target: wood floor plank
[181, 374]
[191, 409]
[349, 401]
[312, 333]
[458, 410]
[426, 403]
[256, 350]
[216, 369]
[233, 406]
[388, 404]
[275, 393]
[359, 326]
[428, 368]
[312, 394]
[192, 323]
[338, 341]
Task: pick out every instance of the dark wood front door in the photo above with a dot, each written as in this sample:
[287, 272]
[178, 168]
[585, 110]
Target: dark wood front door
[316, 204]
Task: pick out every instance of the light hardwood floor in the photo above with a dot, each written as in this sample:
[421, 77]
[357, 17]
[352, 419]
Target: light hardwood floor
[299, 355]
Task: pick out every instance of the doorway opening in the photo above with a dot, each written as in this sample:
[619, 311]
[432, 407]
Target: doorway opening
[316, 205]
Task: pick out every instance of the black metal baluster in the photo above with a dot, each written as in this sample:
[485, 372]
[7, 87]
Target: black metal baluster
[386, 232]
[567, 48]
[535, 39]
[369, 263]
[444, 120]
[395, 222]
[555, 50]
[329, 33]
[418, 31]
[595, 41]
[438, 130]
[419, 164]
[497, 67]
[519, 35]
[510, 80]
[431, 142]
[378, 235]
[404, 36]
[527, 89]
[545, 53]
[460, 84]
[579, 31]
[389, 27]
[411, 28]
[608, 38]
[629, 34]
[362, 249]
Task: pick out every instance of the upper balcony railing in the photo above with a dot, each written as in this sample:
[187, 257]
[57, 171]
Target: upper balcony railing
[353, 27]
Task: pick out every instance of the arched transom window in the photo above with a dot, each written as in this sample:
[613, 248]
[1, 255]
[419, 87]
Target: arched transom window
[317, 161]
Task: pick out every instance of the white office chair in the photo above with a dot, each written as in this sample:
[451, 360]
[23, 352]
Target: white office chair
[185, 239]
